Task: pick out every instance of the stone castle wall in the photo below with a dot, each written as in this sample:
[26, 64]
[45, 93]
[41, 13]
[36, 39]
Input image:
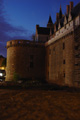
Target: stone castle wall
[26, 59]
[77, 56]
[63, 59]
[60, 60]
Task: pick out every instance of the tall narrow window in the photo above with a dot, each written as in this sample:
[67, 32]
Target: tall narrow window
[31, 57]
[64, 75]
[31, 64]
[63, 46]
[63, 61]
[76, 47]
[49, 51]
[54, 49]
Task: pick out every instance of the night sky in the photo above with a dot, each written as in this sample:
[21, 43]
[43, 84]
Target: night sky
[18, 18]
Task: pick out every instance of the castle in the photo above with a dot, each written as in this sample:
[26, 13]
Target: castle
[54, 56]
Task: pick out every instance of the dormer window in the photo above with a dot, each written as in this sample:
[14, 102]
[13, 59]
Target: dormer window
[59, 26]
[65, 20]
[70, 17]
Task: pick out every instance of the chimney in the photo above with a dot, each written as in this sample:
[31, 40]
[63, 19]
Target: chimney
[71, 6]
[67, 9]
[37, 26]
[57, 17]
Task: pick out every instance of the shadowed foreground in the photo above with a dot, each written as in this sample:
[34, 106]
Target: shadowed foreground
[39, 105]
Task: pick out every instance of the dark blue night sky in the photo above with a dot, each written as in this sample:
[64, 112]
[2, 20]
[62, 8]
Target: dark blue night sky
[18, 18]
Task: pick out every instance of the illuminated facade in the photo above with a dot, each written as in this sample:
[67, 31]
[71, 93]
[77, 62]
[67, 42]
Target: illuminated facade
[55, 54]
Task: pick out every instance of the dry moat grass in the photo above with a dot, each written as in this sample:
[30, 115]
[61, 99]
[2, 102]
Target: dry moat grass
[36, 104]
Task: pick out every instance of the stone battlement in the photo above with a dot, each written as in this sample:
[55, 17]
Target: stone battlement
[22, 43]
[65, 30]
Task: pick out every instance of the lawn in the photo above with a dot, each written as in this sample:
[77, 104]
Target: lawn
[39, 105]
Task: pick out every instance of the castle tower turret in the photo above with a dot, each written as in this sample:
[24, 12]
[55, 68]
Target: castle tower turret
[60, 13]
[57, 17]
[71, 6]
[50, 23]
[67, 9]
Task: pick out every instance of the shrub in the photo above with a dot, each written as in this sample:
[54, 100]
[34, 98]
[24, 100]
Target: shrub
[16, 77]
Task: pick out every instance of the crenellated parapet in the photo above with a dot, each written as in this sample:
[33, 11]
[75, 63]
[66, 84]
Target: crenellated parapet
[67, 28]
[22, 43]
[67, 24]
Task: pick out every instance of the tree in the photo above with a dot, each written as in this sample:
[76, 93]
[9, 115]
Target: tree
[4, 62]
[33, 37]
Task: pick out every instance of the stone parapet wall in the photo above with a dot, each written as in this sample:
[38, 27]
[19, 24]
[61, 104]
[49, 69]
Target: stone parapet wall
[22, 43]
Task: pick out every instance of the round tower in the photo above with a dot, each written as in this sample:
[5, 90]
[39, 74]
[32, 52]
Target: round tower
[22, 59]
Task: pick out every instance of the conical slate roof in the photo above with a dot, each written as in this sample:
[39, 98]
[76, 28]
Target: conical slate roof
[50, 20]
[60, 13]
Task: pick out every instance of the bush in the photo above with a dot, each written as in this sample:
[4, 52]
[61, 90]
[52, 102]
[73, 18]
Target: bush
[16, 77]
